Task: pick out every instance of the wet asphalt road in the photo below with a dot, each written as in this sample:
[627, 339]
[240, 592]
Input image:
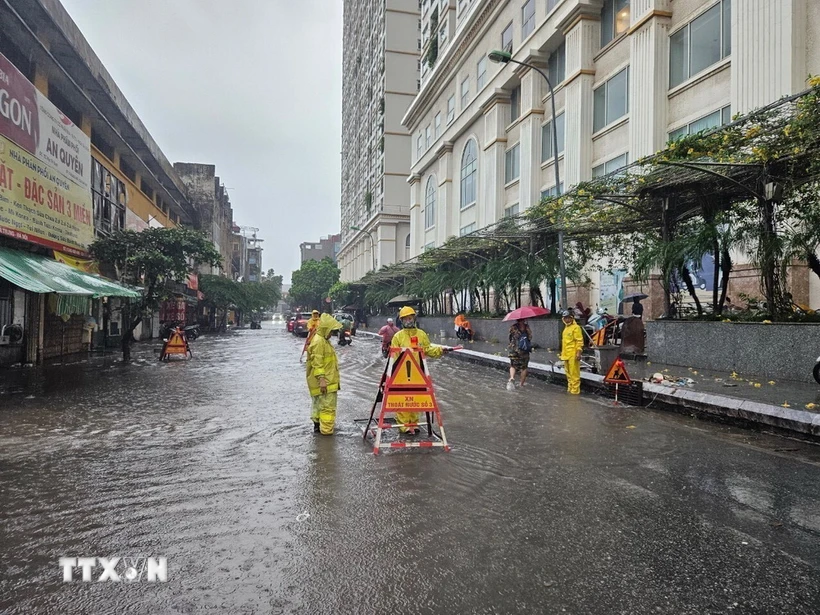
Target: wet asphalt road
[547, 504]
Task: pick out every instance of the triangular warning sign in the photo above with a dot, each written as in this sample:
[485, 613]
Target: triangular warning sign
[407, 371]
[617, 373]
[176, 344]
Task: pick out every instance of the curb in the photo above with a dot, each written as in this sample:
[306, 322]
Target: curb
[710, 405]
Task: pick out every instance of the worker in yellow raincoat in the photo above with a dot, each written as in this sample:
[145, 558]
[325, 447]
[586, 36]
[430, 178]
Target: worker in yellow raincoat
[323, 376]
[411, 336]
[572, 344]
[312, 322]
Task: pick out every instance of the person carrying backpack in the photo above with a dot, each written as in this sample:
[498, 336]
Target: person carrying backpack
[519, 351]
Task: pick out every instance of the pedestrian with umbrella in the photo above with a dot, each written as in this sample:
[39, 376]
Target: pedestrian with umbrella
[520, 344]
[637, 307]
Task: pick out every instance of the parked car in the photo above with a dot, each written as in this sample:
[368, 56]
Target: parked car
[291, 323]
[300, 327]
[342, 316]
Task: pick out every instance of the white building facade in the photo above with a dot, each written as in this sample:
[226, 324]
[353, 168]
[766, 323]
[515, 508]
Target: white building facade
[380, 80]
[627, 75]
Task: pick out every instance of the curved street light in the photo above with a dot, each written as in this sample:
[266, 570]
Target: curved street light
[504, 57]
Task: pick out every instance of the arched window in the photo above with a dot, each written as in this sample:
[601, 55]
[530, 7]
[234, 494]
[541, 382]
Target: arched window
[469, 173]
[407, 247]
[430, 203]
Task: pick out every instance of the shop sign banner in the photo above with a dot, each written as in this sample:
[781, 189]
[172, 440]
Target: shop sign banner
[33, 122]
[40, 205]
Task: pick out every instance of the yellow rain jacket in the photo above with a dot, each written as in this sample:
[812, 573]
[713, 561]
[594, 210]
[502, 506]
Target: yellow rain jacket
[312, 323]
[402, 340]
[572, 340]
[321, 357]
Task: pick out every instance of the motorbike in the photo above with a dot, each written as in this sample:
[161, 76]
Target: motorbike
[817, 370]
[385, 349]
[191, 332]
[344, 337]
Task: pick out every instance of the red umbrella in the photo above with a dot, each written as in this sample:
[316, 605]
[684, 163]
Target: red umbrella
[528, 311]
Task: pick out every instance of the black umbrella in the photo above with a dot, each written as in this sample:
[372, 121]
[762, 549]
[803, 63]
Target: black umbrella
[638, 296]
[403, 300]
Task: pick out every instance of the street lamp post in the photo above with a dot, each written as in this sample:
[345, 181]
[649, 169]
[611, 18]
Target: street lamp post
[372, 243]
[504, 57]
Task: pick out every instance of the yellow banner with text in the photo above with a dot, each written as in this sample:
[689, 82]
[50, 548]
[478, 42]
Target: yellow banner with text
[40, 205]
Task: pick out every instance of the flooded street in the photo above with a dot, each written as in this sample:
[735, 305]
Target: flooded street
[546, 503]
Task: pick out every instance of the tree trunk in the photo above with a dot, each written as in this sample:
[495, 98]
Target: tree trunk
[666, 271]
[768, 257]
[726, 269]
[552, 295]
[716, 277]
[684, 270]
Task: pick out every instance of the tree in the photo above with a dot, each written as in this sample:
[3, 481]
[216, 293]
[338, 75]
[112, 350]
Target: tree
[149, 258]
[311, 283]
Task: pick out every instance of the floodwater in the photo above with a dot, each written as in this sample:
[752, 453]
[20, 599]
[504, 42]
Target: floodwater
[546, 504]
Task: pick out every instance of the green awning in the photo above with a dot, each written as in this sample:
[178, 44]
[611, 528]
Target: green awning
[40, 274]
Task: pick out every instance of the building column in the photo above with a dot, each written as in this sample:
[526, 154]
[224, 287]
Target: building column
[491, 163]
[768, 51]
[416, 222]
[530, 126]
[582, 43]
[444, 200]
[386, 244]
[648, 77]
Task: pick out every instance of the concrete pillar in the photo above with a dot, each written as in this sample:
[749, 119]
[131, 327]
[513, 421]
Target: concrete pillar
[582, 43]
[416, 220]
[768, 51]
[385, 245]
[445, 201]
[648, 77]
[532, 85]
[491, 168]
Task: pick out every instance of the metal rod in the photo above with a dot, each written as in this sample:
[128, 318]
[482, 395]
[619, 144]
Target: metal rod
[561, 262]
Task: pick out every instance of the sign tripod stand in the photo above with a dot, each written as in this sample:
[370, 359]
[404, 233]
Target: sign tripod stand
[405, 386]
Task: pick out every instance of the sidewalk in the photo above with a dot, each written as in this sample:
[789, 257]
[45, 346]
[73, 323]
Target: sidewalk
[786, 405]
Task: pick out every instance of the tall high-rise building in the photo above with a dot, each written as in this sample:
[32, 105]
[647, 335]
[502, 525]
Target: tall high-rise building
[380, 80]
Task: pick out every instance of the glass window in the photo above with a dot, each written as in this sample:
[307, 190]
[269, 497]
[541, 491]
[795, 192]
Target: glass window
[466, 230]
[547, 138]
[701, 43]
[512, 164]
[527, 18]
[428, 136]
[442, 33]
[551, 4]
[550, 192]
[713, 120]
[557, 65]
[507, 39]
[510, 211]
[430, 203]
[614, 20]
[611, 100]
[481, 79]
[469, 170]
[451, 108]
[465, 92]
[515, 104]
[610, 165]
[429, 246]
[418, 146]
[438, 124]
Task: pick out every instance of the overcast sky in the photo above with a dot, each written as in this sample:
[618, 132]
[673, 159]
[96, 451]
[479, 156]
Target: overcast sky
[252, 86]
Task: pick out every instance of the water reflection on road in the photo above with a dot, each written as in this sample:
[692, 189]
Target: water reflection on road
[546, 502]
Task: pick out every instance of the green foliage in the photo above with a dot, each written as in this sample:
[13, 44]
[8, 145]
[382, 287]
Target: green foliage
[311, 283]
[148, 258]
[223, 293]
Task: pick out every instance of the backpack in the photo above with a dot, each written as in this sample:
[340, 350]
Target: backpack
[524, 344]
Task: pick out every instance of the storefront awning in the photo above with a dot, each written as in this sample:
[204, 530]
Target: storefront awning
[39, 274]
